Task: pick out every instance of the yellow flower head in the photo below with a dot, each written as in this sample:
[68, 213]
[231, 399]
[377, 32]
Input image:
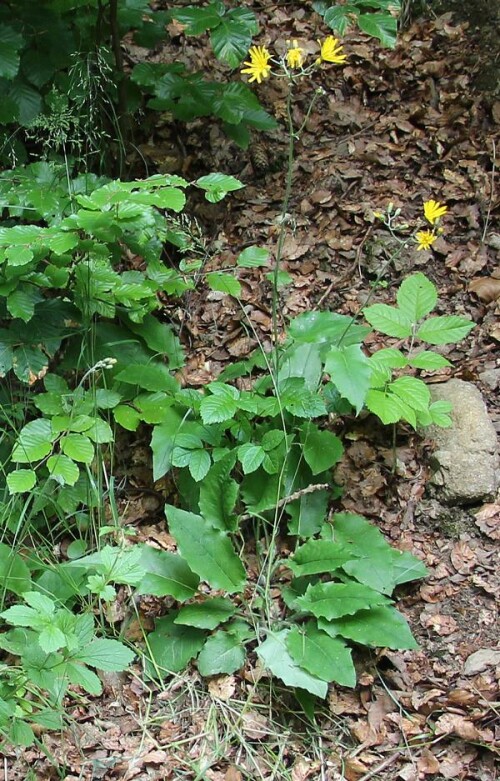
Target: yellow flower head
[295, 56]
[331, 51]
[433, 211]
[258, 67]
[425, 239]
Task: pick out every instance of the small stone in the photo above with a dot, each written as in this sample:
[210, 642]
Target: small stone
[491, 378]
[465, 462]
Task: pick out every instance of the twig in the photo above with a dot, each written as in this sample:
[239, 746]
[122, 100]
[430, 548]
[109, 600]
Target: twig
[492, 191]
[292, 497]
[382, 766]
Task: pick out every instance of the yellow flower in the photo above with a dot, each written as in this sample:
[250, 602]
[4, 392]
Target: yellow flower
[258, 67]
[295, 56]
[425, 239]
[433, 211]
[331, 51]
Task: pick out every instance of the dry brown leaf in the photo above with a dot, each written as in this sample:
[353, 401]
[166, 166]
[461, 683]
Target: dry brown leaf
[427, 763]
[485, 288]
[222, 687]
[463, 558]
[488, 520]
[255, 725]
[480, 660]
[233, 774]
[302, 769]
[441, 624]
[453, 724]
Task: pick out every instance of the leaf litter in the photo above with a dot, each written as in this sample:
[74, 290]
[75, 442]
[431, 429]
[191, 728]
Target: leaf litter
[402, 126]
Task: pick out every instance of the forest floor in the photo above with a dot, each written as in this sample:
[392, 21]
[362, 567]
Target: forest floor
[403, 125]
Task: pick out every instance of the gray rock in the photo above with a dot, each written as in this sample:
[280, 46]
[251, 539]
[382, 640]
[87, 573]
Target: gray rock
[491, 378]
[465, 462]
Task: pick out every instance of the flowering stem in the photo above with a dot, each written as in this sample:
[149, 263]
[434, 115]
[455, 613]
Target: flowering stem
[283, 222]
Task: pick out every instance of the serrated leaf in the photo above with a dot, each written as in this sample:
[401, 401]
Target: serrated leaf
[416, 297]
[172, 646]
[224, 283]
[323, 656]
[34, 442]
[199, 464]
[99, 432]
[207, 614]
[350, 371]
[217, 408]
[388, 320]
[152, 377]
[166, 574]
[22, 301]
[208, 551]
[21, 480]
[251, 457]
[51, 638]
[332, 600]
[107, 655]
[273, 652]
[445, 329]
[428, 360]
[317, 556]
[218, 494]
[381, 626]
[222, 653]
[389, 407]
[79, 675]
[253, 257]
[321, 449]
[63, 469]
[411, 391]
[14, 574]
[232, 37]
[78, 447]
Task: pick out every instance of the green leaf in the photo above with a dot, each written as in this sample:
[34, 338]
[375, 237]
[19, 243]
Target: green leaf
[253, 257]
[445, 329]
[299, 400]
[428, 360]
[411, 391]
[27, 100]
[151, 377]
[338, 19]
[327, 327]
[197, 20]
[232, 37]
[372, 557]
[417, 296]
[224, 283]
[321, 655]
[34, 442]
[78, 447]
[79, 675]
[21, 302]
[166, 574]
[207, 614]
[217, 186]
[317, 556]
[407, 567]
[350, 371]
[107, 655]
[389, 320]
[222, 653]
[218, 494]
[21, 480]
[99, 432]
[220, 406]
[51, 638]
[438, 411]
[199, 464]
[63, 469]
[389, 407]
[172, 646]
[381, 626]
[127, 417]
[381, 26]
[30, 363]
[251, 457]
[10, 44]
[14, 574]
[308, 513]
[321, 449]
[273, 652]
[331, 600]
[208, 551]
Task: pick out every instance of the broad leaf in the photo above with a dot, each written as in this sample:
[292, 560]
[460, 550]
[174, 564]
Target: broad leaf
[381, 26]
[417, 296]
[321, 449]
[325, 657]
[446, 329]
[207, 614]
[332, 600]
[172, 646]
[251, 457]
[317, 556]
[152, 377]
[428, 360]
[218, 494]
[380, 626]
[107, 655]
[208, 551]
[350, 371]
[253, 257]
[389, 320]
[224, 283]
[63, 469]
[389, 407]
[14, 574]
[166, 574]
[222, 653]
[273, 652]
[34, 442]
[21, 480]
[412, 391]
